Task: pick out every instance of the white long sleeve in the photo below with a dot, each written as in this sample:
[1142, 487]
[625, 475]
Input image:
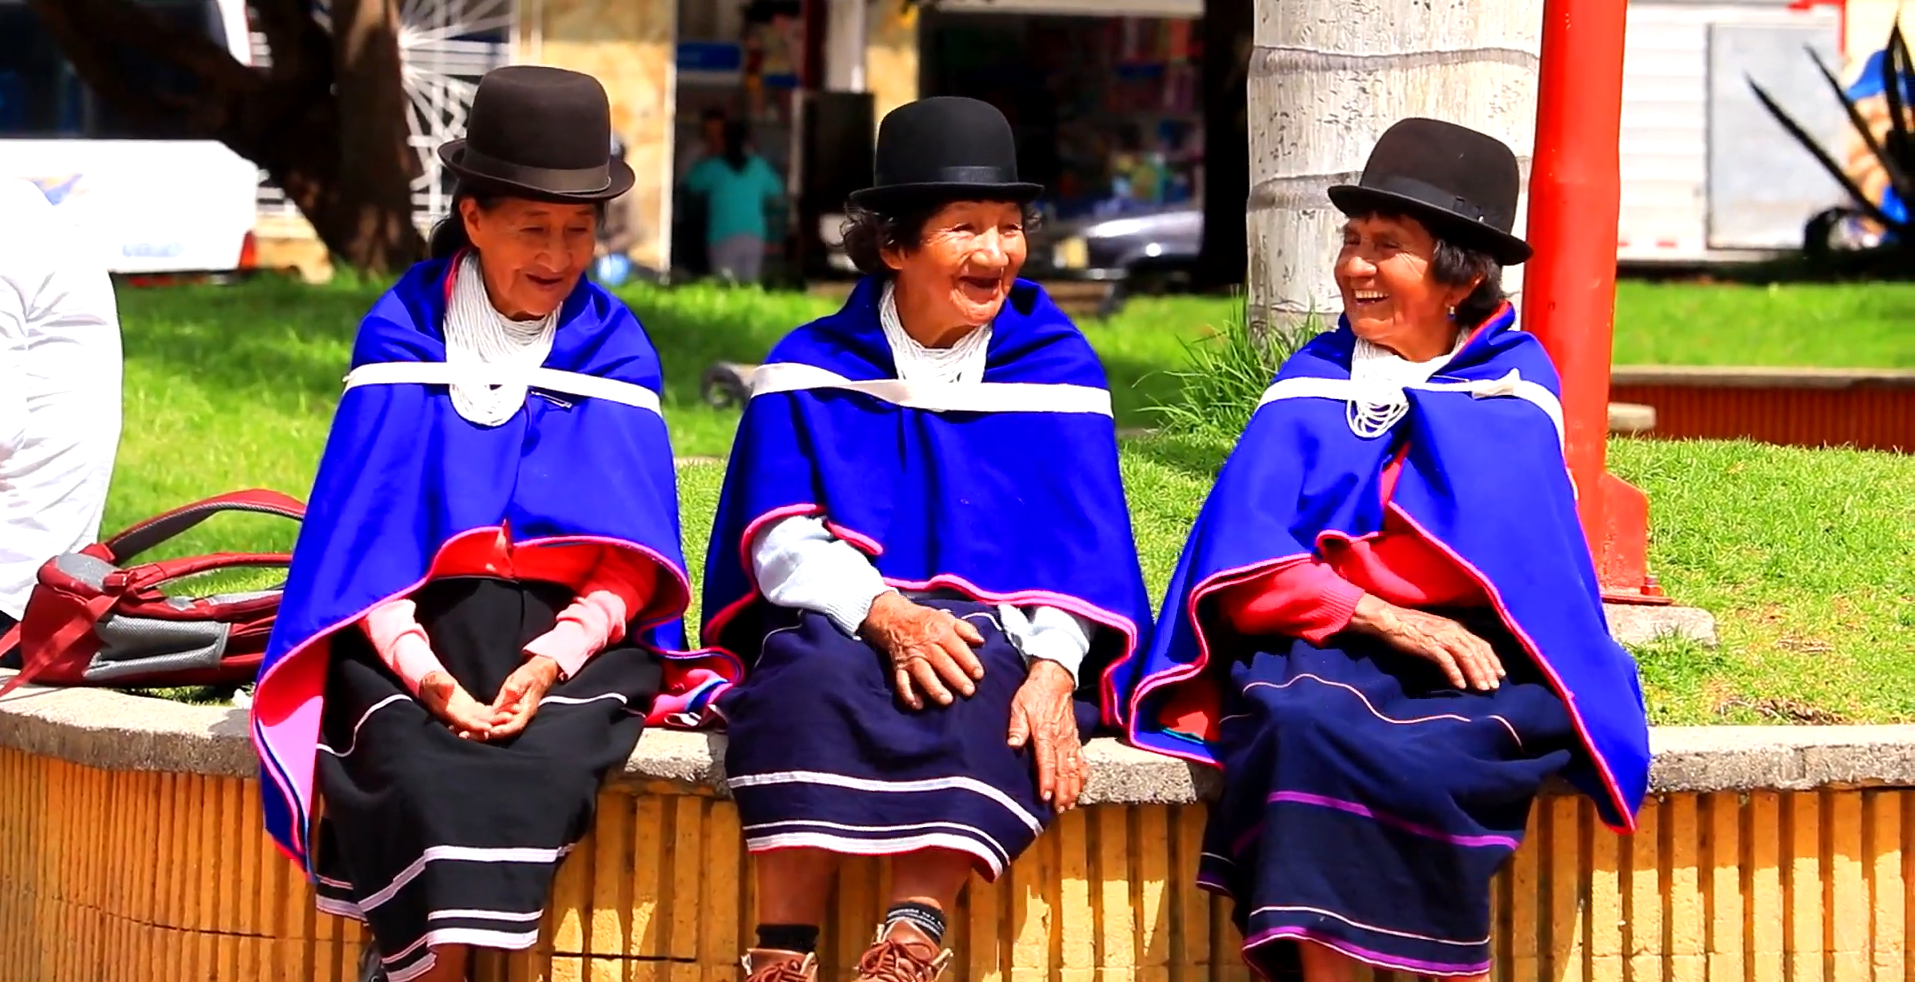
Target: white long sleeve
[799, 564]
[60, 370]
[1049, 633]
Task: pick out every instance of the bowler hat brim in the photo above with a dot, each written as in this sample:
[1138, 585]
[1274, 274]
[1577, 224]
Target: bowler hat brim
[1506, 249]
[929, 192]
[620, 173]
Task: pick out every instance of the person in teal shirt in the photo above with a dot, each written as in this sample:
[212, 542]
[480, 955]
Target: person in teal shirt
[738, 186]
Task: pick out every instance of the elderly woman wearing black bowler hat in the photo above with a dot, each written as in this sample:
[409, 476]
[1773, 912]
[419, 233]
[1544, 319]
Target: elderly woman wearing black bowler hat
[924, 551]
[1386, 627]
[484, 604]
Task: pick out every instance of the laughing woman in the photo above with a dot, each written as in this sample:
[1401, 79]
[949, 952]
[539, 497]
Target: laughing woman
[1386, 627]
[924, 552]
[484, 603]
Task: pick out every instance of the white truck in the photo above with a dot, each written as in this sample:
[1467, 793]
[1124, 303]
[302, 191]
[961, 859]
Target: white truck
[150, 205]
[1707, 175]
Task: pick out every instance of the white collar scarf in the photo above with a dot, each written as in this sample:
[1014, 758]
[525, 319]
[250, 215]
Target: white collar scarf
[1377, 377]
[961, 362]
[476, 333]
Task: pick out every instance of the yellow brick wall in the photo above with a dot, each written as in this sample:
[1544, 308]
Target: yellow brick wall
[149, 877]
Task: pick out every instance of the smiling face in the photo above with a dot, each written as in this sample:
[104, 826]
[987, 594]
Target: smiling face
[531, 252]
[1390, 296]
[957, 278]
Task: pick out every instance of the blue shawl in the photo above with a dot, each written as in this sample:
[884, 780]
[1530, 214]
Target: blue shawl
[403, 475]
[1483, 478]
[1021, 507]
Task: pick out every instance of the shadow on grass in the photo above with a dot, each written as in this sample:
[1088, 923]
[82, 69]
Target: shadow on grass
[1882, 264]
[280, 343]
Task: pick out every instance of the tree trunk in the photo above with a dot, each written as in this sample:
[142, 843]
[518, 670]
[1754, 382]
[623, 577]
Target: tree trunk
[1326, 78]
[370, 201]
[347, 171]
[1226, 183]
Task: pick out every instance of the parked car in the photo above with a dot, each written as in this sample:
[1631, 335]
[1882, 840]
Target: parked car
[1148, 251]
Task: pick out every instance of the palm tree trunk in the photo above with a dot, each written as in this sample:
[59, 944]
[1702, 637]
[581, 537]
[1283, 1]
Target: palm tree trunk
[1326, 78]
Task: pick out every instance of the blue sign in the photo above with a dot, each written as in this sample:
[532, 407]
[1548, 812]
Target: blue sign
[710, 56]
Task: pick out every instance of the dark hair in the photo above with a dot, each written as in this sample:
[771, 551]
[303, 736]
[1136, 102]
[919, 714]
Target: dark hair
[736, 133]
[1457, 265]
[871, 232]
[712, 113]
[449, 235]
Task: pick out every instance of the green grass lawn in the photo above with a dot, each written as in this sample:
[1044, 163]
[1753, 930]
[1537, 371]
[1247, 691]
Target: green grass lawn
[1808, 558]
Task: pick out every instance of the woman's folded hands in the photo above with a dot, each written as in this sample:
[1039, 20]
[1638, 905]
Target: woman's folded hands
[507, 716]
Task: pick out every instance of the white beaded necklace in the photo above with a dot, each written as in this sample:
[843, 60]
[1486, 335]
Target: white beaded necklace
[961, 362]
[1377, 377]
[476, 333]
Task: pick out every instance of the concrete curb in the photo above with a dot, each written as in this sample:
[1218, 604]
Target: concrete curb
[112, 731]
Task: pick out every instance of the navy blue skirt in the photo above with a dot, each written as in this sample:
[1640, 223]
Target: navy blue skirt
[1368, 803]
[821, 753]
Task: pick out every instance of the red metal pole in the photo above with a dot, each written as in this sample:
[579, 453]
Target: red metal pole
[1570, 286]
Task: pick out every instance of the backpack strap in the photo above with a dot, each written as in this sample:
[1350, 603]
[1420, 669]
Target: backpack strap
[59, 647]
[145, 535]
[149, 575]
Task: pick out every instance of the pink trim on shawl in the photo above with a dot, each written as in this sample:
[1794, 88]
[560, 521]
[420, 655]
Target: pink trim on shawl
[715, 625]
[1536, 654]
[1170, 676]
[295, 711]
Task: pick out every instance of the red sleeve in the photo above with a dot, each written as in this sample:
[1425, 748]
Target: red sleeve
[1303, 598]
[616, 591]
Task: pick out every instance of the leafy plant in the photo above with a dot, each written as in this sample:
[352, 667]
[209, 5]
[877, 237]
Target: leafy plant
[1895, 151]
[1228, 371]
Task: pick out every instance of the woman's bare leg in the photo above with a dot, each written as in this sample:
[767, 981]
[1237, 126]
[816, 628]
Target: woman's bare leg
[932, 877]
[449, 963]
[1322, 964]
[794, 885]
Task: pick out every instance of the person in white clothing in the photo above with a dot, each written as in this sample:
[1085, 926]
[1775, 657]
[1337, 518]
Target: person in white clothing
[59, 392]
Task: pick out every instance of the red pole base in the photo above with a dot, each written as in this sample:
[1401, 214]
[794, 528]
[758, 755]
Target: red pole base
[1622, 545]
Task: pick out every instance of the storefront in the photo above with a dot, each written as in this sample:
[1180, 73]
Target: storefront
[737, 60]
[1106, 97]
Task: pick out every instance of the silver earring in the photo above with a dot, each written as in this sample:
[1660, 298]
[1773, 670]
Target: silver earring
[1452, 313]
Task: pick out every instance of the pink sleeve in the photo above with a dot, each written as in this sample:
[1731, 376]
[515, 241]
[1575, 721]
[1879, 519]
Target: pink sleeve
[401, 643]
[1303, 598]
[615, 592]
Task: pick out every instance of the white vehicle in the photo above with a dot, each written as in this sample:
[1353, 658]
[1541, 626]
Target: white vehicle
[1707, 175]
[151, 205]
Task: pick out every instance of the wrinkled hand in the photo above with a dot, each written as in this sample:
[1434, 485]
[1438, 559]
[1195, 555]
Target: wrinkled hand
[1042, 714]
[1467, 660]
[445, 698]
[519, 695]
[929, 649]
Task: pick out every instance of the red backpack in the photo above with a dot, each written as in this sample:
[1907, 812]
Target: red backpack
[93, 620]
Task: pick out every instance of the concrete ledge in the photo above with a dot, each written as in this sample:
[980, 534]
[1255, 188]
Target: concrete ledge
[1737, 377]
[116, 732]
[1631, 417]
[1643, 623]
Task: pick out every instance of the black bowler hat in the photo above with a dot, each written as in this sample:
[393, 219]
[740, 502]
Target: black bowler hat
[1461, 184]
[543, 133]
[944, 148]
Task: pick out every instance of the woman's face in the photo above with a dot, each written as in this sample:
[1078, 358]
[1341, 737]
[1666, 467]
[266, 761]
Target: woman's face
[532, 252]
[1389, 296]
[969, 256]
